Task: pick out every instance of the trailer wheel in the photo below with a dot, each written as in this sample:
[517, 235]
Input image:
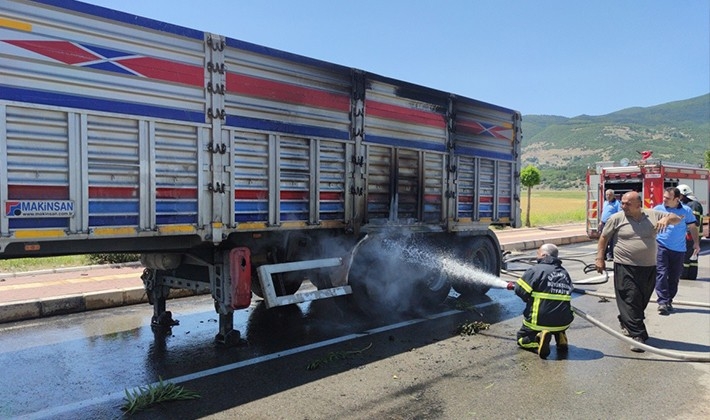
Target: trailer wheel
[367, 286]
[284, 283]
[432, 289]
[483, 254]
[306, 247]
[385, 285]
[262, 323]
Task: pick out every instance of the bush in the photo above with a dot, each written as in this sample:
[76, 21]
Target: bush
[114, 258]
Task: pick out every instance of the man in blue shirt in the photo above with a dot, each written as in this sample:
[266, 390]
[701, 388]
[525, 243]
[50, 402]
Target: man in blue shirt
[611, 206]
[671, 249]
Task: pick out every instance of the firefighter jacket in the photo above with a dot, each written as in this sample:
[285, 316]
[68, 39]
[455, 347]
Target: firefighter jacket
[547, 290]
[697, 209]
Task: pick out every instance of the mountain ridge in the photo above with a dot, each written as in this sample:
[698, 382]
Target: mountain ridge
[677, 131]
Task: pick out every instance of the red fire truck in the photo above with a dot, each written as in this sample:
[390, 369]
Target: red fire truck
[648, 177]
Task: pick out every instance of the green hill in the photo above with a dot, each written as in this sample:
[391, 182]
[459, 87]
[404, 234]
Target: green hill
[562, 148]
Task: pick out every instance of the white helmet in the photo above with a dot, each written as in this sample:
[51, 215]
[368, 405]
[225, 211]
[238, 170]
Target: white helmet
[686, 191]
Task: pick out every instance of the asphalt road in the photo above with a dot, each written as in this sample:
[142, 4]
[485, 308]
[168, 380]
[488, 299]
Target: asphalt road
[79, 365]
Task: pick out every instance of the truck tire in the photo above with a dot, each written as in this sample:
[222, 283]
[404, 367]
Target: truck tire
[303, 247]
[431, 291]
[284, 286]
[263, 321]
[384, 285]
[482, 253]
[369, 290]
[284, 283]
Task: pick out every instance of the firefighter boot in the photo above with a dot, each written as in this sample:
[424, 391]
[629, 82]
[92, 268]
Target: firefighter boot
[543, 349]
[528, 343]
[561, 341]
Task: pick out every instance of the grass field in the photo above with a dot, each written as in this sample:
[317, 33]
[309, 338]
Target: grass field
[547, 208]
[554, 207]
[31, 264]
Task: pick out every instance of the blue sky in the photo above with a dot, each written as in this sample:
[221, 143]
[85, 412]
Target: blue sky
[555, 57]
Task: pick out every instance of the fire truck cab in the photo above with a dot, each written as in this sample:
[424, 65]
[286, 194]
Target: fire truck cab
[648, 177]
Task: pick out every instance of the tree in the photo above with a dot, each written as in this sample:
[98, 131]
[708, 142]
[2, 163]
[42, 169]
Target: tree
[529, 177]
[707, 159]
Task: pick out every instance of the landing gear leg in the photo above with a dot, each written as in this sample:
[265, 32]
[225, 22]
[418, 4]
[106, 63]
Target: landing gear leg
[157, 296]
[222, 295]
[227, 335]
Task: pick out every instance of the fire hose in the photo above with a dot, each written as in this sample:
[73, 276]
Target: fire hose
[667, 353]
[603, 279]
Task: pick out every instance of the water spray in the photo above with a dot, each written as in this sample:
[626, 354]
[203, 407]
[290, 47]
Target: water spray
[472, 273]
[451, 266]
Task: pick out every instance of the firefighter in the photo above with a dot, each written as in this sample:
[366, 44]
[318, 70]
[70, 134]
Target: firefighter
[690, 265]
[546, 288]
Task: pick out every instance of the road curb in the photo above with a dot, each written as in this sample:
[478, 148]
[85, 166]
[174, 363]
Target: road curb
[68, 304]
[535, 244]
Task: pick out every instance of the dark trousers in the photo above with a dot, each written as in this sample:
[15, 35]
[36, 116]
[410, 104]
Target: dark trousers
[610, 248]
[525, 332]
[531, 335]
[690, 267]
[669, 266]
[609, 251]
[633, 287]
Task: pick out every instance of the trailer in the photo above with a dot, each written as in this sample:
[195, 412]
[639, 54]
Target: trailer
[237, 168]
[646, 176]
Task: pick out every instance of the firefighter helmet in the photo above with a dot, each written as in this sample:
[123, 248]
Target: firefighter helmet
[686, 191]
